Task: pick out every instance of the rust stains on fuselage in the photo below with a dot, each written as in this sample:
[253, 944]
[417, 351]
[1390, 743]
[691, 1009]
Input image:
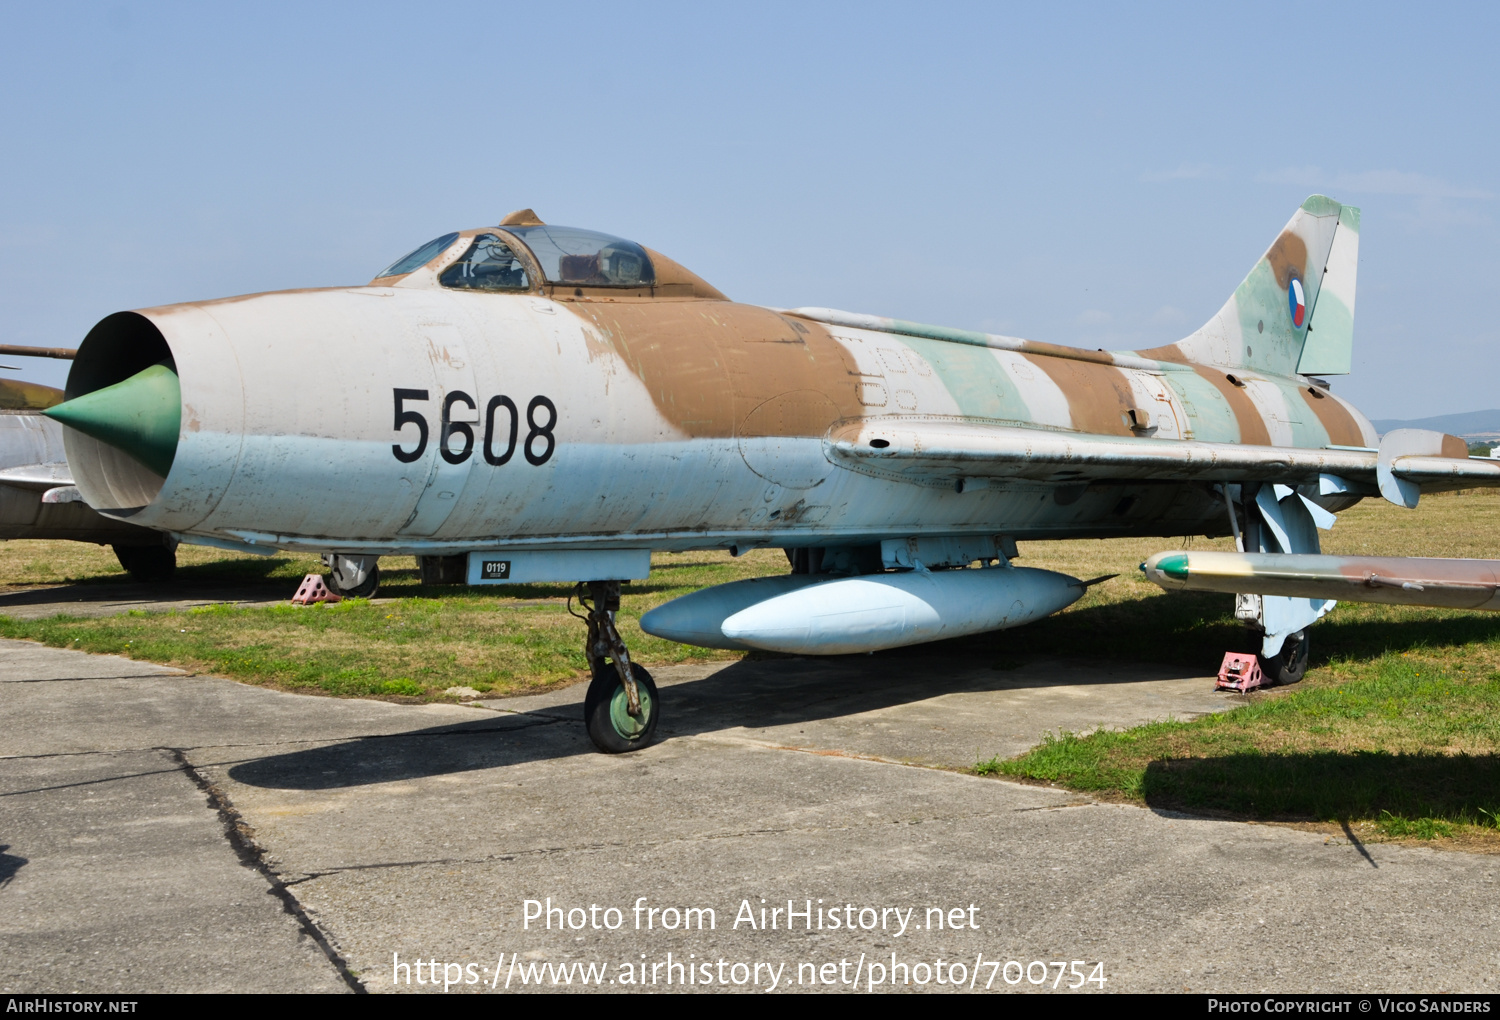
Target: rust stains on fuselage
[162, 310]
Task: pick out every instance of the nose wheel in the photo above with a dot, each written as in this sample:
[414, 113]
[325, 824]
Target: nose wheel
[621, 708]
[353, 577]
[1290, 664]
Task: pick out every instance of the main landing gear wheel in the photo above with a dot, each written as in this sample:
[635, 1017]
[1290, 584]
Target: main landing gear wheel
[1290, 664]
[150, 564]
[621, 709]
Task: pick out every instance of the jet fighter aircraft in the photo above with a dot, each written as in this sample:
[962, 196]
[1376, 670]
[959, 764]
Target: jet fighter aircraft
[553, 404]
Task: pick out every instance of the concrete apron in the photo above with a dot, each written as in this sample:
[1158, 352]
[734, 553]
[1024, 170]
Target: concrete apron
[163, 831]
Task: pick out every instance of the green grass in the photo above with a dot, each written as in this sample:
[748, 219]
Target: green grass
[1405, 742]
[1395, 731]
[509, 640]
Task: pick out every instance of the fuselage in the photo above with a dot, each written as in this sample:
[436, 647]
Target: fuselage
[409, 417]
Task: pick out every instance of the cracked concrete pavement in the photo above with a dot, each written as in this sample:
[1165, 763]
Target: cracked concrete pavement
[161, 831]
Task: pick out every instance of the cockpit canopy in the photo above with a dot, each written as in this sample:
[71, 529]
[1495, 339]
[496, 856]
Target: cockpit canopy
[494, 260]
[415, 260]
[489, 264]
[587, 258]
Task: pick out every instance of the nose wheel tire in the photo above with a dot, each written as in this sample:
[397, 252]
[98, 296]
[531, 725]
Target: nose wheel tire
[353, 577]
[364, 590]
[606, 710]
[1290, 664]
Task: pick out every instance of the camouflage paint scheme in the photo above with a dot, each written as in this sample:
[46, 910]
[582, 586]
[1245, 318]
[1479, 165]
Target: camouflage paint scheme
[17, 395]
[685, 420]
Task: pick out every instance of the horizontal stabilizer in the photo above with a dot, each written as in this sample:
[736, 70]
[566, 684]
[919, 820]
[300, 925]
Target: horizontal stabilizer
[1413, 461]
[1392, 580]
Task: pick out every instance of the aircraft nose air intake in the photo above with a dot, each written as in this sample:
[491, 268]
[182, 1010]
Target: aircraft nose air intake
[141, 415]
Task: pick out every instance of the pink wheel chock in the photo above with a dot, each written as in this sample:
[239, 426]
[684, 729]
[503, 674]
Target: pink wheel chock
[314, 590]
[1240, 672]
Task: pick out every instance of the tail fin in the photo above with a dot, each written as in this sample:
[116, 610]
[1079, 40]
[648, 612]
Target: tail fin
[1294, 312]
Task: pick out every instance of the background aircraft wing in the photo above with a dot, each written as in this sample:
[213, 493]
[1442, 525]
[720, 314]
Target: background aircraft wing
[37, 477]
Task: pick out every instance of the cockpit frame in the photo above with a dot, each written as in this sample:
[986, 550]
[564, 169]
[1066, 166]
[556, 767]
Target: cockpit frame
[671, 280]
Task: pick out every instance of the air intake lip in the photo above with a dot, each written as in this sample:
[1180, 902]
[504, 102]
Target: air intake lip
[123, 413]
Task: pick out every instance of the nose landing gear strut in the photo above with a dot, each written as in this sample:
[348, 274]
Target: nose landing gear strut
[621, 708]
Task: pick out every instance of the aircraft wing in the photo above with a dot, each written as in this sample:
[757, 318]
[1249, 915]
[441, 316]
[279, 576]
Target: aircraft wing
[37, 477]
[934, 449]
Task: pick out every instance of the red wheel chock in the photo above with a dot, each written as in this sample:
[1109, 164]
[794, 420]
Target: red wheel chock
[314, 590]
[1240, 672]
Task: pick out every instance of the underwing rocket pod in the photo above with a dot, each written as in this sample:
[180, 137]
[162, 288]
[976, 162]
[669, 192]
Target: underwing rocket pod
[865, 614]
[1392, 580]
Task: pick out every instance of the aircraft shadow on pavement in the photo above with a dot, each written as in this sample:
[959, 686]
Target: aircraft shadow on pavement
[9, 865]
[763, 692]
[1324, 785]
[754, 694]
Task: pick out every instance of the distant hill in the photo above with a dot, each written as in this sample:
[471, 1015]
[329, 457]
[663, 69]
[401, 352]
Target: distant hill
[1478, 424]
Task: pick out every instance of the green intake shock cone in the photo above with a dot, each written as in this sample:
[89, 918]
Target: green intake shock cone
[140, 416]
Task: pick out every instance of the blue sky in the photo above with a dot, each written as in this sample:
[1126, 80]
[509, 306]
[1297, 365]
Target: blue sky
[1092, 175]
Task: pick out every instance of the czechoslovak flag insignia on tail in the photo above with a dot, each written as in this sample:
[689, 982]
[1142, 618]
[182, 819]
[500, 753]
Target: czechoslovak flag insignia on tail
[1297, 302]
